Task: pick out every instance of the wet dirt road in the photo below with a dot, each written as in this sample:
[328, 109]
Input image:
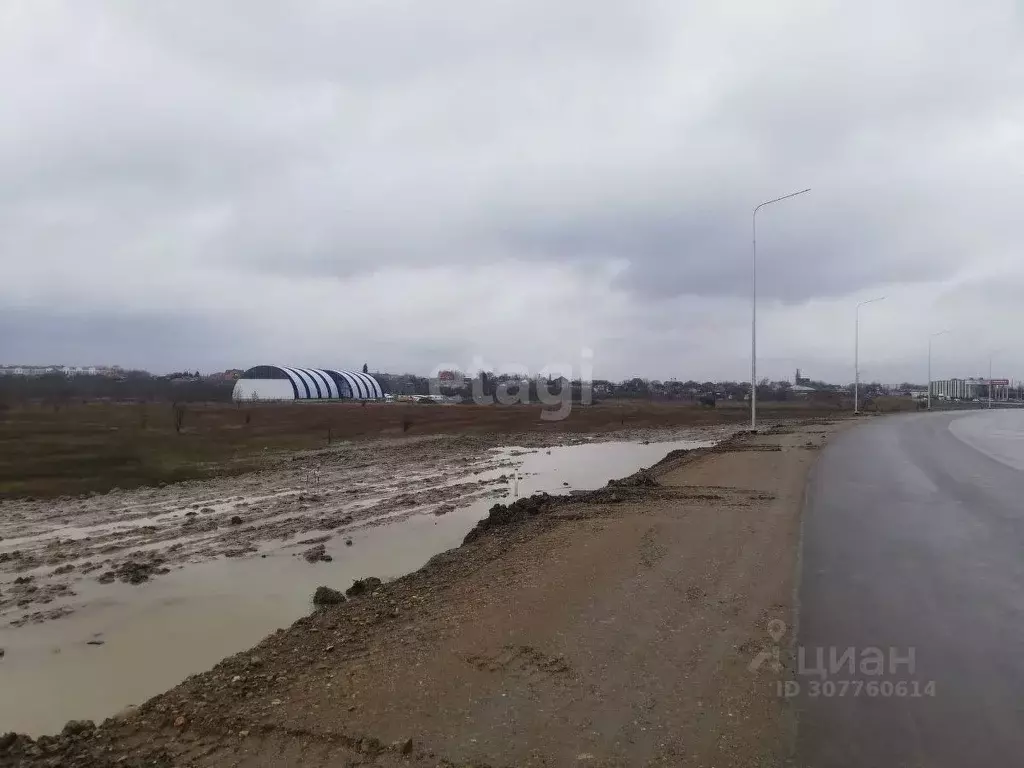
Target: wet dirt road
[914, 539]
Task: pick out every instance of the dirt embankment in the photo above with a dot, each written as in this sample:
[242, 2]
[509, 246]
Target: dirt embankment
[617, 627]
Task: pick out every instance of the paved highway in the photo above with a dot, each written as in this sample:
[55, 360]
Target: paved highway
[914, 538]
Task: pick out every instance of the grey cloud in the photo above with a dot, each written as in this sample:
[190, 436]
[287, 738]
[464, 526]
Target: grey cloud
[334, 140]
[101, 337]
[162, 341]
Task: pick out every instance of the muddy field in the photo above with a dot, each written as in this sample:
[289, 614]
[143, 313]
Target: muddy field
[75, 448]
[47, 546]
[93, 587]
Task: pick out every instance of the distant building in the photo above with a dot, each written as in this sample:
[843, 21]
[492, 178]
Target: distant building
[448, 380]
[275, 382]
[42, 370]
[969, 389]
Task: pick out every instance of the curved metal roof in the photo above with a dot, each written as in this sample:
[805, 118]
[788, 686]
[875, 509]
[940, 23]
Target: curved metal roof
[360, 382]
[327, 383]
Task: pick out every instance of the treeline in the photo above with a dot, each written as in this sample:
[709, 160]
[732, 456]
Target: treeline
[489, 385]
[139, 386]
[56, 388]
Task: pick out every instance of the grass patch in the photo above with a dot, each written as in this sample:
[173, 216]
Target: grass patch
[94, 447]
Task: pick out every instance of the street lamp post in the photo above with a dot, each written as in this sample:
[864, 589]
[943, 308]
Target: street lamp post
[937, 333]
[856, 353]
[753, 305]
[990, 354]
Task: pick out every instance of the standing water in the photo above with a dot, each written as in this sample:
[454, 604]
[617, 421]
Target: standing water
[124, 643]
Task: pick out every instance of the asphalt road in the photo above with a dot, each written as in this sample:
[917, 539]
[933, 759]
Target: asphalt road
[914, 538]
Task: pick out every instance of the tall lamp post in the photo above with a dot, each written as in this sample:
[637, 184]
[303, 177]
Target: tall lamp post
[856, 353]
[753, 305]
[937, 333]
[990, 376]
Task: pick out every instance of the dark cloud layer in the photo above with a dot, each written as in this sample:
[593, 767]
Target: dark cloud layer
[101, 337]
[438, 179]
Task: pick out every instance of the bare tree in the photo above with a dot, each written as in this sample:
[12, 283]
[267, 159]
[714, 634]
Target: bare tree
[179, 417]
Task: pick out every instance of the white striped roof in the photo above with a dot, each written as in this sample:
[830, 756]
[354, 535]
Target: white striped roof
[320, 383]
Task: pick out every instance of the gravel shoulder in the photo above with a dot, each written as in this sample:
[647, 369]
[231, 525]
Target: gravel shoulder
[615, 627]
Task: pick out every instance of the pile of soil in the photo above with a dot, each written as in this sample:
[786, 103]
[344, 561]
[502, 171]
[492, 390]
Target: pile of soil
[134, 571]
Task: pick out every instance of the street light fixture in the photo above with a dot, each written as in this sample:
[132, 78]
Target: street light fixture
[753, 306]
[856, 353]
[937, 333]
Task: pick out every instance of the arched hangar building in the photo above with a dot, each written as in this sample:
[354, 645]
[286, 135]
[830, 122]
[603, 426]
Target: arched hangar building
[278, 382]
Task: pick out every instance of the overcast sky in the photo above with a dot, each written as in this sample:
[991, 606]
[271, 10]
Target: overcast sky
[412, 184]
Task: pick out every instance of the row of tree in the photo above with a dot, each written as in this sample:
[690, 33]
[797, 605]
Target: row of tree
[141, 386]
[57, 388]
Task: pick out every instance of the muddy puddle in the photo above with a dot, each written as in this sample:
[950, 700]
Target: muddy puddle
[81, 647]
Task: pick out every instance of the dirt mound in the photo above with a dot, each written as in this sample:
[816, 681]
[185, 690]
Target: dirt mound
[75, 727]
[507, 514]
[327, 596]
[363, 586]
[17, 745]
[671, 456]
[640, 479]
[134, 572]
[518, 511]
[317, 554]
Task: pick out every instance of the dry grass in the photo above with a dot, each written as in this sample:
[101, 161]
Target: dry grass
[892, 404]
[98, 446]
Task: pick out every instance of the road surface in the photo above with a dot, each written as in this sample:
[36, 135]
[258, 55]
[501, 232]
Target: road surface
[914, 538]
